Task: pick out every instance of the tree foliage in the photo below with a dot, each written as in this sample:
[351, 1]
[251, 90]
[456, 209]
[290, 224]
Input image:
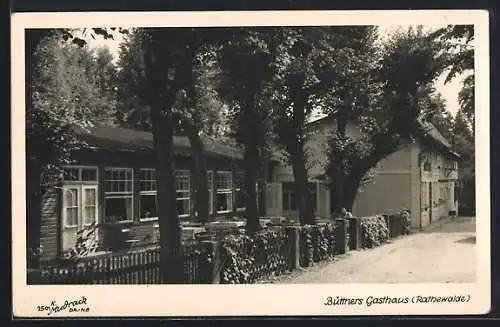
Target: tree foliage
[67, 90]
[388, 88]
[62, 90]
[458, 41]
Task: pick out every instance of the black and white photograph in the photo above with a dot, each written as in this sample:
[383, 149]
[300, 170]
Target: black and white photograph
[329, 151]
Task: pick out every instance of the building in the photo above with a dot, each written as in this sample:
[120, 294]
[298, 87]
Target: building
[113, 186]
[420, 177]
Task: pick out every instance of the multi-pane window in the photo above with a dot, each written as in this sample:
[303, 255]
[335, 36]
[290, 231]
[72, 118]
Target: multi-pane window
[79, 196]
[71, 205]
[147, 195]
[240, 194]
[290, 199]
[210, 184]
[81, 174]
[89, 205]
[118, 194]
[183, 187]
[224, 185]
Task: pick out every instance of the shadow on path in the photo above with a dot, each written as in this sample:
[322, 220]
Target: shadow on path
[467, 240]
[452, 225]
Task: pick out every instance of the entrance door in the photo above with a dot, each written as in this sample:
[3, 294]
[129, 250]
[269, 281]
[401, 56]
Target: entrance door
[79, 210]
[274, 200]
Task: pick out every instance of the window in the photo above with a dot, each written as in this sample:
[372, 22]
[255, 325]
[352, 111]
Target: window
[240, 194]
[148, 208]
[79, 196]
[183, 187]
[224, 184]
[118, 194]
[80, 174]
[71, 206]
[290, 199]
[210, 184]
[89, 205]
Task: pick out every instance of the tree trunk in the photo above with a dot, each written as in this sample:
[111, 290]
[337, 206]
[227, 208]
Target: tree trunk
[251, 158]
[351, 187]
[170, 242]
[306, 212]
[199, 174]
[336, 194]
[251, 165]
[338, 173]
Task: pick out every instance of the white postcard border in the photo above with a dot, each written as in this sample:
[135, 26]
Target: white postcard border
[222, 300]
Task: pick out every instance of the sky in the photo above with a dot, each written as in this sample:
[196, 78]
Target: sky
[449, 91]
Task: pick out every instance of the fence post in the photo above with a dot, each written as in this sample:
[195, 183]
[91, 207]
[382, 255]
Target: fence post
[292, 234]
[211, 262]
[354, 231]
[395, 226]
[341, 236]
[387, 222]
[34, 276]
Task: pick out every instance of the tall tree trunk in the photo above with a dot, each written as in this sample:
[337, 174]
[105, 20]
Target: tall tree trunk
[338, 173]
[162, 95]
[252, 163]
[251, 166]
[351, 187]
[306, 212]
[199, 173]
[170, 242]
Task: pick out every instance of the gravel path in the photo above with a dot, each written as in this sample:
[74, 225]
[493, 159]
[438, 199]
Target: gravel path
[443, 253]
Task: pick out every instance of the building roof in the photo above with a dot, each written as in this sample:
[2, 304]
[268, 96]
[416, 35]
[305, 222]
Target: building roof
[427, 131]
[128, 139]
[430, 131]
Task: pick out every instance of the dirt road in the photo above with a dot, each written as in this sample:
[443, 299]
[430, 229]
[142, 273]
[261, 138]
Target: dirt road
[443, 253]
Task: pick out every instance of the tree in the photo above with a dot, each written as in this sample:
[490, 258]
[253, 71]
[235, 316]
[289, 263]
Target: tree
[169, 60]
[245, 71]
[353, 87]
[62, 92]
[198, 113]
[463, 143]
[106, 74]
[434, 110]
[389, 103]
[132, 107]
[202, 115]
[312, 63]
[459, 47]
[459, 41]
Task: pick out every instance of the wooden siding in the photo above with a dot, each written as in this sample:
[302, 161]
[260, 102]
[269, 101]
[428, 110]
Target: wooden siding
[49, 229]
[143, 231]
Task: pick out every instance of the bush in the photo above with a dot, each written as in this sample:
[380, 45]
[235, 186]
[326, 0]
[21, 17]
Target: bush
[248, 260]
[374, 231]
[86, 243]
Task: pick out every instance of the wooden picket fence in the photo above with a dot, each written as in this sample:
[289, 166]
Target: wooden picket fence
[132, 268]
